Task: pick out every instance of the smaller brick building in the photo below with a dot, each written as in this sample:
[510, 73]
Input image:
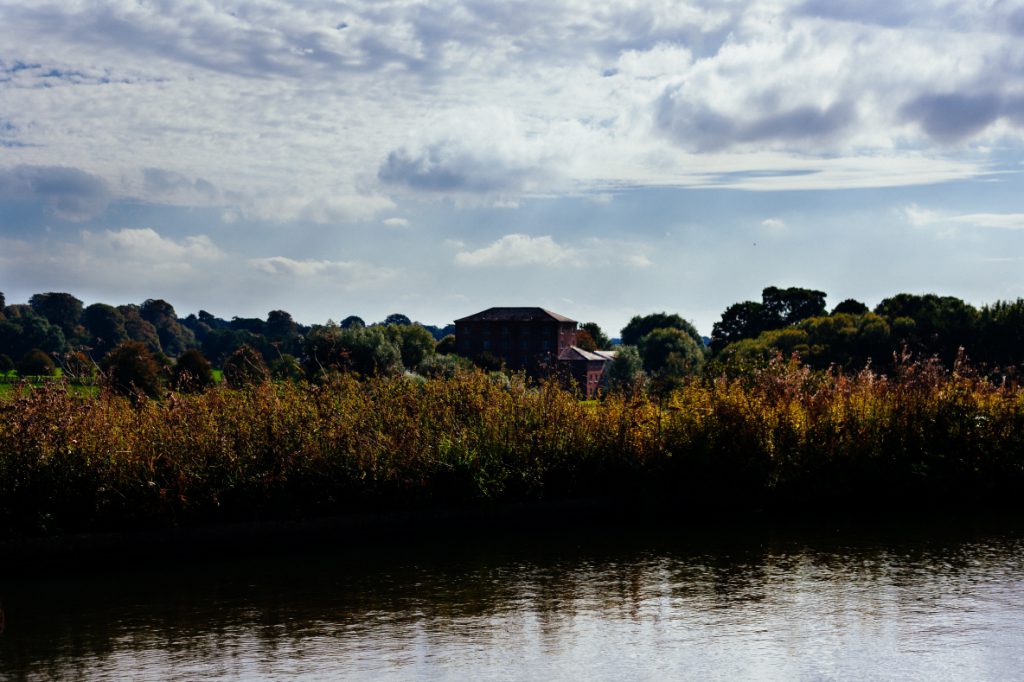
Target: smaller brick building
[535, 340]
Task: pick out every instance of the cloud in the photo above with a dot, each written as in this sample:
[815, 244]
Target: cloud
[146, 245]
[475, 151]
[169, 185]
[922, 217]
[69, 193]
[773, 225]
[696, 126]
[515, 250]
[519, 249]
[354, 274]
[396, 222]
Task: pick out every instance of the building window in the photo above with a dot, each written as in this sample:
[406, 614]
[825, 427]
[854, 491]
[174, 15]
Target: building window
[467, 329]
[487, 344]
[546, 345]
[524, 344]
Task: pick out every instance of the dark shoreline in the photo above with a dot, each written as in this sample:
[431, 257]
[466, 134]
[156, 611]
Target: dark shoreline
[372, 531]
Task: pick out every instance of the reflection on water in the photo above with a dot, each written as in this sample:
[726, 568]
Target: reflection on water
[666, 604]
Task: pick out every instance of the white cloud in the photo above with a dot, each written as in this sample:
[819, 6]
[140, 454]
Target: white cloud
[396, 222]
[773, 224]
[354, 274]
[146, 245]
[520, 249]
[921, 217]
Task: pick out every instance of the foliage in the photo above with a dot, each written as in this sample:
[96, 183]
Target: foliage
[175, 338]
[77, 366]
[446, 345]
[22, 330]
[35, 363]
[585, 341]
[60, 309]
[140, 329]
[192, 372]
[397, 318]
[601, 340]
[778, 308]
[850, 306]
[352, 321]
[413, 341]
[626, 372]
[444, 366]
[132, 370]
[286, 368]
[106, 325]
[245, 367]
[6, 364]
[780, 436]
[642, 325]
[365, 350]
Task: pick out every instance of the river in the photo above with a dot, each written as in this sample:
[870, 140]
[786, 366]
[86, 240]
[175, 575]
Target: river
[905, 601]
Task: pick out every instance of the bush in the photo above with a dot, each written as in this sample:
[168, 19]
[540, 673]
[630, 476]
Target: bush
[245, 368]
[287, 367]
[132, 370]
[35, 363]
[192, 372]
[6, 364]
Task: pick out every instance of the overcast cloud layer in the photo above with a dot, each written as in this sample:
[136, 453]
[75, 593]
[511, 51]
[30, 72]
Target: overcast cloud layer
[437, 158]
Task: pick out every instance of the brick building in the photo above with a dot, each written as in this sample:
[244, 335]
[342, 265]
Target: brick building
[535, 340]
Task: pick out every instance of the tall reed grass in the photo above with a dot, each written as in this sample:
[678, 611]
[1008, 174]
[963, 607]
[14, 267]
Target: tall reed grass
[782, 436]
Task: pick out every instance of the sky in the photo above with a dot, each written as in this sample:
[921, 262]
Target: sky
[601, 160]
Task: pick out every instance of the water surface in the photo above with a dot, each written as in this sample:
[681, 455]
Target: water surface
[733, 602]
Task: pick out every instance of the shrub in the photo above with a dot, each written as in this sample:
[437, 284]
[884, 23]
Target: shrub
[6, 364]
[245, 368]
[192, 372]
[132, 370]
[286, 367]
[35, 363]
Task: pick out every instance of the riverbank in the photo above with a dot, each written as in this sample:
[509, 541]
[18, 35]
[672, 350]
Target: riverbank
[787, 439]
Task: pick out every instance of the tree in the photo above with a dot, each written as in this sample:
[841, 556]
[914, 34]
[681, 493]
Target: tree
[365, 350]
[413, 341]
[789, 306]
[174, 337]
[192, 372]
[739, 321]
[626, 371]
[352, 321]
[639, 326]
[23, 329]
[35, 363]
[585, 341]
[280, 325]
[397, 318]
[287, 367]
[77, 366]
[132, 370]
[670, 351]
[245, 368]
[941, 324]
[139, 329]
[6, 364]
[105, 324]
[850, 306]
[601, 339]
[444, 366]
[63, 310]
[446, 346]
[3, 303]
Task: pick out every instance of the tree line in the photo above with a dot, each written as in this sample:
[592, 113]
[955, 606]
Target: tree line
[56, 329]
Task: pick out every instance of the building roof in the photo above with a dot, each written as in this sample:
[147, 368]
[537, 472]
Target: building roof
[607, 354]
[576, 353]
[516, 315]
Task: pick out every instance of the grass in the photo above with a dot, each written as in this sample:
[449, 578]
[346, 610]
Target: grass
[780, 437]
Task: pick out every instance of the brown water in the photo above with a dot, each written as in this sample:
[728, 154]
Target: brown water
[731, 603]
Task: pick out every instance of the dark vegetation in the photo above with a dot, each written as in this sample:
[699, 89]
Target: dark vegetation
[914, 402]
